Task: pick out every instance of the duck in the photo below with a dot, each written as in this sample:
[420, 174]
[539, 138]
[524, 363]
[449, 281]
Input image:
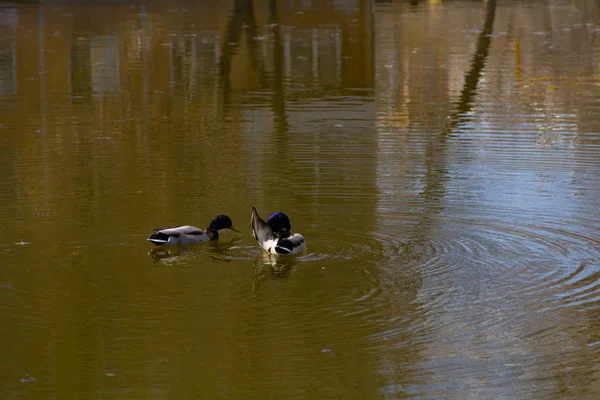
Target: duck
[275, 236]
[186, 235]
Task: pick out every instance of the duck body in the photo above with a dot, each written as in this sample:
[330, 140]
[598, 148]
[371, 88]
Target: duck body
[274, 236]
[186, 235]
[291, 245]
[182, 236]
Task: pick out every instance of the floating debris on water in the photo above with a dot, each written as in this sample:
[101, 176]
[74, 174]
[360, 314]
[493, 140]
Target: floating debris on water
[28, 378]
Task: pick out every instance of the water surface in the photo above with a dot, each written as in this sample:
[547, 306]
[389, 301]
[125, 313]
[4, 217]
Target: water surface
[441, 159]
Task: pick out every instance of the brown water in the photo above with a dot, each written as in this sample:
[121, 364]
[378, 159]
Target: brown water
[442, 160]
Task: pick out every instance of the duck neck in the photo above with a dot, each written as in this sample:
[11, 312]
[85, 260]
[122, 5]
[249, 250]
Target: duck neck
[213, 234]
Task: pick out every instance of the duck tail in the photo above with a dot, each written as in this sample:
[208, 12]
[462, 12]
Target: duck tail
[262, 232]
[158, 238]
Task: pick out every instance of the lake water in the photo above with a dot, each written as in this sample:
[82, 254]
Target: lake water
[442, 160]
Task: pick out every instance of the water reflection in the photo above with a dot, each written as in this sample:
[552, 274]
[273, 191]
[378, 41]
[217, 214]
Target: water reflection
[222, 251]
[269, 266]
[444, 172]
[8, 56]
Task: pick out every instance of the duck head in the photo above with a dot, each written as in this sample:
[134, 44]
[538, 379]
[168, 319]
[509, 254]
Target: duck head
[280, 224]
[222, 222]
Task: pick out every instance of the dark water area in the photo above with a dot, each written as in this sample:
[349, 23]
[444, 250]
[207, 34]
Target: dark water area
[441, 158]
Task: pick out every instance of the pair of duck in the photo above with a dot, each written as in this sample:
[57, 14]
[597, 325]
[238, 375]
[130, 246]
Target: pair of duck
[274, 236]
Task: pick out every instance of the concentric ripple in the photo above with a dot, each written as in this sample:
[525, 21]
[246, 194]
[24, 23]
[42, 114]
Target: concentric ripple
[525, 260]
[374, 248]
[485, 276]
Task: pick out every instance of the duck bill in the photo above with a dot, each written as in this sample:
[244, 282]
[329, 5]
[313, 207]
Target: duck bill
[235, 230]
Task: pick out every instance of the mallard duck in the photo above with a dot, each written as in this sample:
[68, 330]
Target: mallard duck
[186, 234]
[275, 235]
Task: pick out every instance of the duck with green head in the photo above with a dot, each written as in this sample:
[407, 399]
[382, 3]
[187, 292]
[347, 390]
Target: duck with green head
[275, 236]
[186, 235]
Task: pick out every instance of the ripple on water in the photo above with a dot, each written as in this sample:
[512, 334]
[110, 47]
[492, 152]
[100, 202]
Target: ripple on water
[374, 248]
[474, 266]
[542, 266]
[486, 273]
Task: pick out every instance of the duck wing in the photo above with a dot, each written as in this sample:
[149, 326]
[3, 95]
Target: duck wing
[261, 231]
[181, 230]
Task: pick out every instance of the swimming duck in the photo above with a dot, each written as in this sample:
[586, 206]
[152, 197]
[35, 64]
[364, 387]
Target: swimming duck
[275, 235]
[186, 234]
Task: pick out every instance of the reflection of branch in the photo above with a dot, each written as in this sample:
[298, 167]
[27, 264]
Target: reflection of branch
[436, 149]
[231, 38]
[242, 16]
[252, 42]
[281, 123]
[464, 104]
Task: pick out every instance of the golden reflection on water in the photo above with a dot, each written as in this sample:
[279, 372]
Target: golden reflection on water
[439, 157]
